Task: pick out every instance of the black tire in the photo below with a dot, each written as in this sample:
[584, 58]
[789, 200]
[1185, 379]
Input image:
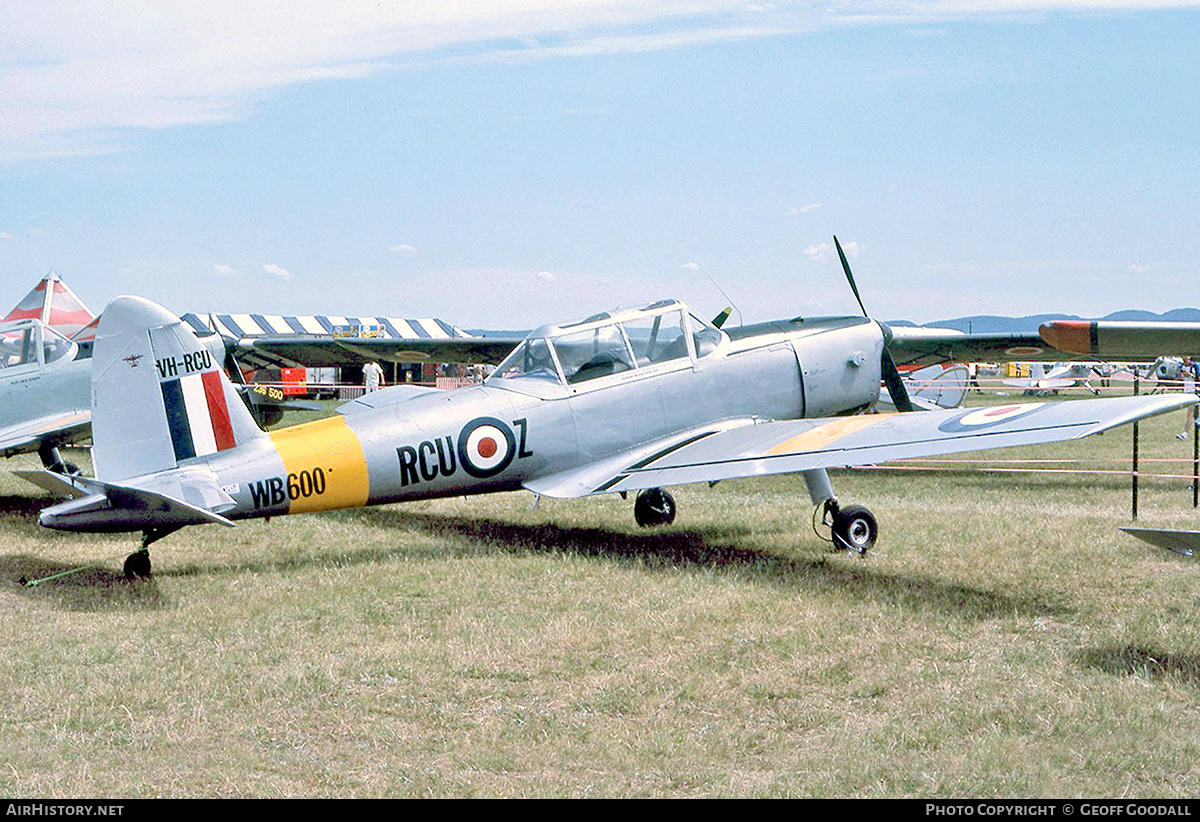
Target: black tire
[137, 565]
[855, 528]
[654, 506]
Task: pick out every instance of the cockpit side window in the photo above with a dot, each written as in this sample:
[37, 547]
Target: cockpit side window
[16, 348]
[54, 346]
[600, 352]
[531, 359]
[657, 339]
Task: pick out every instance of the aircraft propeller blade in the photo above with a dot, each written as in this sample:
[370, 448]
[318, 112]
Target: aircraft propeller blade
[895, 383]
[849, 276]
[890, 373]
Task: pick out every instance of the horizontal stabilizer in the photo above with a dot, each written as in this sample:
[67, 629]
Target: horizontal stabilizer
[1181, 542]
[94, 505]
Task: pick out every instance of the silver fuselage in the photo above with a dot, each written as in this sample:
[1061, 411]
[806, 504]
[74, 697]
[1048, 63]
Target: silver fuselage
[501, 434]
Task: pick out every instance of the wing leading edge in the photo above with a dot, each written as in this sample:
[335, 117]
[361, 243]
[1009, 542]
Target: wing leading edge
[752, 448]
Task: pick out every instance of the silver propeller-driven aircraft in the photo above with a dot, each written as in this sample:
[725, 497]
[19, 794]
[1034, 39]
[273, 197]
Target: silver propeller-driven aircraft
[44, 373]
[630, 400]
[44, 384]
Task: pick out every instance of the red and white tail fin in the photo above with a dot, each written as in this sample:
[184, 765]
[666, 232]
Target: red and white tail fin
[159, 395]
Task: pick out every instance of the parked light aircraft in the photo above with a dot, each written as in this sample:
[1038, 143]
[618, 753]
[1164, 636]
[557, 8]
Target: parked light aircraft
[45, 364]
[931, 387]
[44, 385]
[1046, 379]
[624, 401]
[44, 373]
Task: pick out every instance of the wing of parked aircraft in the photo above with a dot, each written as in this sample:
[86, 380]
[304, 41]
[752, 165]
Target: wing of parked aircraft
[927, 346]
[1181, 542]
[61, 429]
[1111, 338]
[745, 448]
[317, 351]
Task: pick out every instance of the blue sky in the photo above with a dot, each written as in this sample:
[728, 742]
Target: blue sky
[501, 164]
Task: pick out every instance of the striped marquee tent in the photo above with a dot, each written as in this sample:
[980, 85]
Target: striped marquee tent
[314, 339]
[258, 325]
[56, 305]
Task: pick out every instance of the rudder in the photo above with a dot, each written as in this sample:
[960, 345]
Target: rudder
[159, 396]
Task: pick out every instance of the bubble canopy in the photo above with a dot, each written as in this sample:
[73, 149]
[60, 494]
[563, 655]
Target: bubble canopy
[609, 343]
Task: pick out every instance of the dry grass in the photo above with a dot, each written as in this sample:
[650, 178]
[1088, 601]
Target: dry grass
[1006, 640]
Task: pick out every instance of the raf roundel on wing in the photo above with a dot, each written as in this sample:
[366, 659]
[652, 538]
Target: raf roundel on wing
[987, 417]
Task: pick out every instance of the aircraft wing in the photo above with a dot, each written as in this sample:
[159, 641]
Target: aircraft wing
[61, 428]
[1181, 542]
[1111, 338]
[320, 351]
[744, 448]
[927, 346]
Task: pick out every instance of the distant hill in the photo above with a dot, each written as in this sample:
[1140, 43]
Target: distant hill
[991, 324]
[987, 323]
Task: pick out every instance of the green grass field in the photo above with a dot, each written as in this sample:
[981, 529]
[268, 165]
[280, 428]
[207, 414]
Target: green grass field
[1004, 640]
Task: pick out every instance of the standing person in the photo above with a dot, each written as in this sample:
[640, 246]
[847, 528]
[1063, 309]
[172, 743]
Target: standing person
[372, 376]
[1189, 372]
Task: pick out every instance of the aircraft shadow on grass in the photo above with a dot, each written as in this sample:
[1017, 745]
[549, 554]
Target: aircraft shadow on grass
[706, 551]
[715, 550]
[1148, 663]
[23, 508]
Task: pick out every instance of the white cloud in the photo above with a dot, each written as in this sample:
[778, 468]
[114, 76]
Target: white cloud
[7, 235]
[826, 251]
[546, 276]
[279, 272]
[1137, 268]
[403, 249]
[224, 270]
[804, 209]
[690, 266]
[75, 74]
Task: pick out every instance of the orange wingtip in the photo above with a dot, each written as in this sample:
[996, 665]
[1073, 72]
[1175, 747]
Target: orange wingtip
[1074, 336]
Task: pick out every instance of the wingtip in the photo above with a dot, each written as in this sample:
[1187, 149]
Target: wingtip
[1073, 336]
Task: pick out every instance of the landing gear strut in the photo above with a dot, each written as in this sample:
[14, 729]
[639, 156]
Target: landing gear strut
[654, 506]
[52, 460]
[854, 527]
[137, 564]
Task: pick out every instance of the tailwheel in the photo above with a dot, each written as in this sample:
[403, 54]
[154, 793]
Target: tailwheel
[854, 528]
[654, 506]
[137, 565]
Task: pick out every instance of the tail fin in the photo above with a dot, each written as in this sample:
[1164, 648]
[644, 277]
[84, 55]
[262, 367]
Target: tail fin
[159, 396]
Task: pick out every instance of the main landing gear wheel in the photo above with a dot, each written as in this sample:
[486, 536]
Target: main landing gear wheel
[855, 528]
[137, 565]
[654, 506]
